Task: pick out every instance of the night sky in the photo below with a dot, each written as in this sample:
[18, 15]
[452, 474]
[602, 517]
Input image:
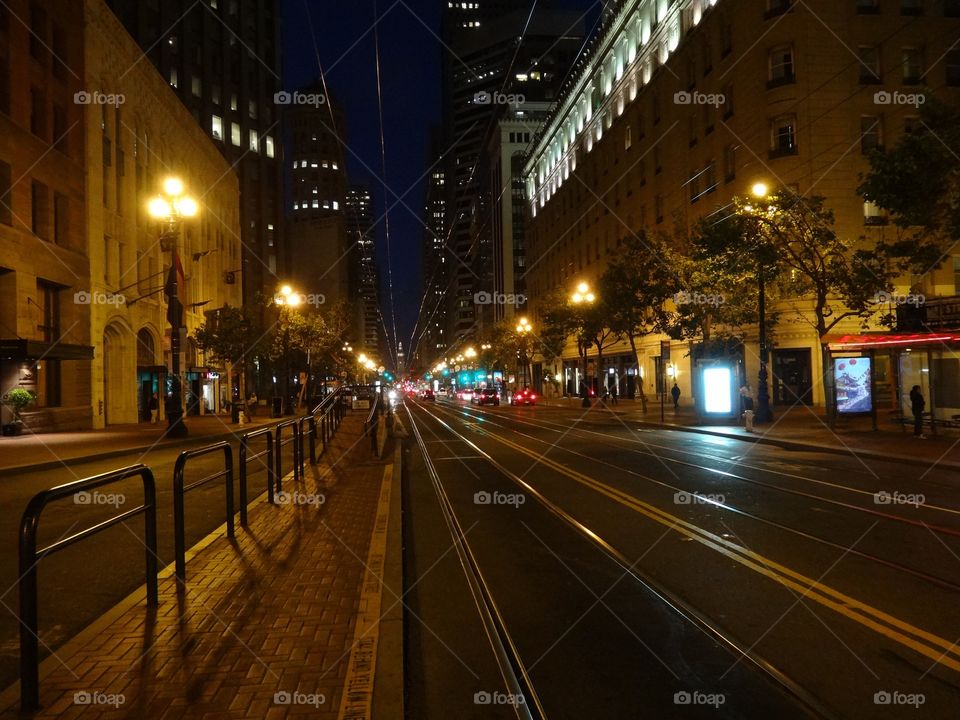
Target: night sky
[411, 54]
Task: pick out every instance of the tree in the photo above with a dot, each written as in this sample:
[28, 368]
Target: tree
[229, 336]
[918, 183]
[635, 291]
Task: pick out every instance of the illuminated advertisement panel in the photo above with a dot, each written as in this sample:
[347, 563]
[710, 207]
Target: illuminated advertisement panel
[717, 395]
[853, 380]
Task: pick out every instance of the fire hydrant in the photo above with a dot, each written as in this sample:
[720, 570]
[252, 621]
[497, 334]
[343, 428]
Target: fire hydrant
[748, 420]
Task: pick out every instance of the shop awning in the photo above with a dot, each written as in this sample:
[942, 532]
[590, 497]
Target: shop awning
[19, 349]
[881, 340]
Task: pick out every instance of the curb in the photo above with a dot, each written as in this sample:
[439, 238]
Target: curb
[159, 445]
[388, 687]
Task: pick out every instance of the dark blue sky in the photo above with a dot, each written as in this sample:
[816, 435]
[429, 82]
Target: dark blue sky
[410, 63]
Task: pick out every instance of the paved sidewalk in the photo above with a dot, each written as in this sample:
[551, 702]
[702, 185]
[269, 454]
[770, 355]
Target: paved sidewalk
[266, 627]
[799, 428]
[33, 451]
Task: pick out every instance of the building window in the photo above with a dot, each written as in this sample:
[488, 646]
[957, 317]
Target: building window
[659, 208]
[40, 210]
[953, 67]
[911, 7]
[6, 200]
[627, 138]
[777, 7]
[873, 215]
[728, 102]
[780, 63]
[868, 7]
[870, 139]
[174, 78]
[729, 163]
[726, 39]
[38, 31]
[951, 8]
[61, 218]
[869, 64]
[216, 127]
[912, 124]
[657, 164]
[252, 109]
[215, 94]
[196, 86]
[783, 136]
[912, 65]
[254, 141]
[38, 113]
[235, 136]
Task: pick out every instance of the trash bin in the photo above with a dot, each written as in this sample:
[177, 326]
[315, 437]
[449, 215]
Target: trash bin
[276, 407]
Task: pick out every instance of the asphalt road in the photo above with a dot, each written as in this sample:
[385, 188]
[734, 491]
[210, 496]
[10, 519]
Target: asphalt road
[634, 572]
[81, 582]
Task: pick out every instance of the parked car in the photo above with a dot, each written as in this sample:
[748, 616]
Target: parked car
[524, 397]
[427, 394]
[487, 396]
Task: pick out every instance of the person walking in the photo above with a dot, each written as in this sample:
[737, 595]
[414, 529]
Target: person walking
[917, 405]
[613, 394]
[675, 393]
[154, 409]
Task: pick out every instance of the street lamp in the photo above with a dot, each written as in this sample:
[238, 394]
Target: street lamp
[171, 207]
[286, 298]
[764, 414]
[583, 295]
[524, 328]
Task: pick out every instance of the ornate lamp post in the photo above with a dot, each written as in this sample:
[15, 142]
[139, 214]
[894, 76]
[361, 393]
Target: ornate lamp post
[524, 328]
[583, 295]
[286, 299]
[171, 207]
[764, 413]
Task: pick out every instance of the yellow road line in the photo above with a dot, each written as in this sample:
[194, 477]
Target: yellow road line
[856, 610]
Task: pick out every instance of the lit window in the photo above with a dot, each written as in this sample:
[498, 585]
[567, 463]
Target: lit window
[216, 127]
[269, 142]
[235, 134]
[174, 82]
[254, 141]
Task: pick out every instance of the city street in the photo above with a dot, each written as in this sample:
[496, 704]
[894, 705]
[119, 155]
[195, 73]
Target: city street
[614, 567]
[80, 583]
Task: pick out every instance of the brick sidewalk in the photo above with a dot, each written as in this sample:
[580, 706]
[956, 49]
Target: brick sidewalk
[273, 613]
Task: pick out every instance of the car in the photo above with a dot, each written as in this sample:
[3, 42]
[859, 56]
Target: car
[487, 396]
[427, 395]
[465, 394]
[524, 397]
[363, 398]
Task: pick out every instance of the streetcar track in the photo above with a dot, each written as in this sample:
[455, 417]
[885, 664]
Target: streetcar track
[686, 611]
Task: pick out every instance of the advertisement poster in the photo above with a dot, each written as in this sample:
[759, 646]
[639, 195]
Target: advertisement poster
[853, 380]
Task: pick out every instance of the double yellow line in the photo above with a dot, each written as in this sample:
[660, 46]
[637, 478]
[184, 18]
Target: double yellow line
[936, 648]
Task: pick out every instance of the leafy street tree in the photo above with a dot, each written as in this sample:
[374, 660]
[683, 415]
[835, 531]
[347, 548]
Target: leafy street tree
[231, 337]
[918, 183]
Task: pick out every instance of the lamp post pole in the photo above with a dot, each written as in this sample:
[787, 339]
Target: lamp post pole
[764, 414]
[583, 296]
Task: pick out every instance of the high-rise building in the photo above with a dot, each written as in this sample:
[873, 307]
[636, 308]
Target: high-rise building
[364, 279]
[431, 327]
[222, 60]
[484, 71]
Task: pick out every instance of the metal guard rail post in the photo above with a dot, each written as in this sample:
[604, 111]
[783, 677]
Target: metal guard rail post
[179, 490]
[278, 444]
[245, 457]
[373, 420]
[30, 558]
[311, 432]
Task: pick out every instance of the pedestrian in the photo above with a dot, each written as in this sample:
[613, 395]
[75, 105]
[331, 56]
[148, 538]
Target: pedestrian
[675, 393]
[252, 404]
[613, 394]
[154, 409]
[917, 405]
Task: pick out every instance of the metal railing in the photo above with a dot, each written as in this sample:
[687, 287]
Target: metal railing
[179, 490]
[278, 445]
[246, 457]
[372, 424]
[30, 557]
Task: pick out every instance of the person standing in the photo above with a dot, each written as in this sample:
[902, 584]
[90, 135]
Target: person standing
[154, 409]
[917, 405]
[675, 394]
